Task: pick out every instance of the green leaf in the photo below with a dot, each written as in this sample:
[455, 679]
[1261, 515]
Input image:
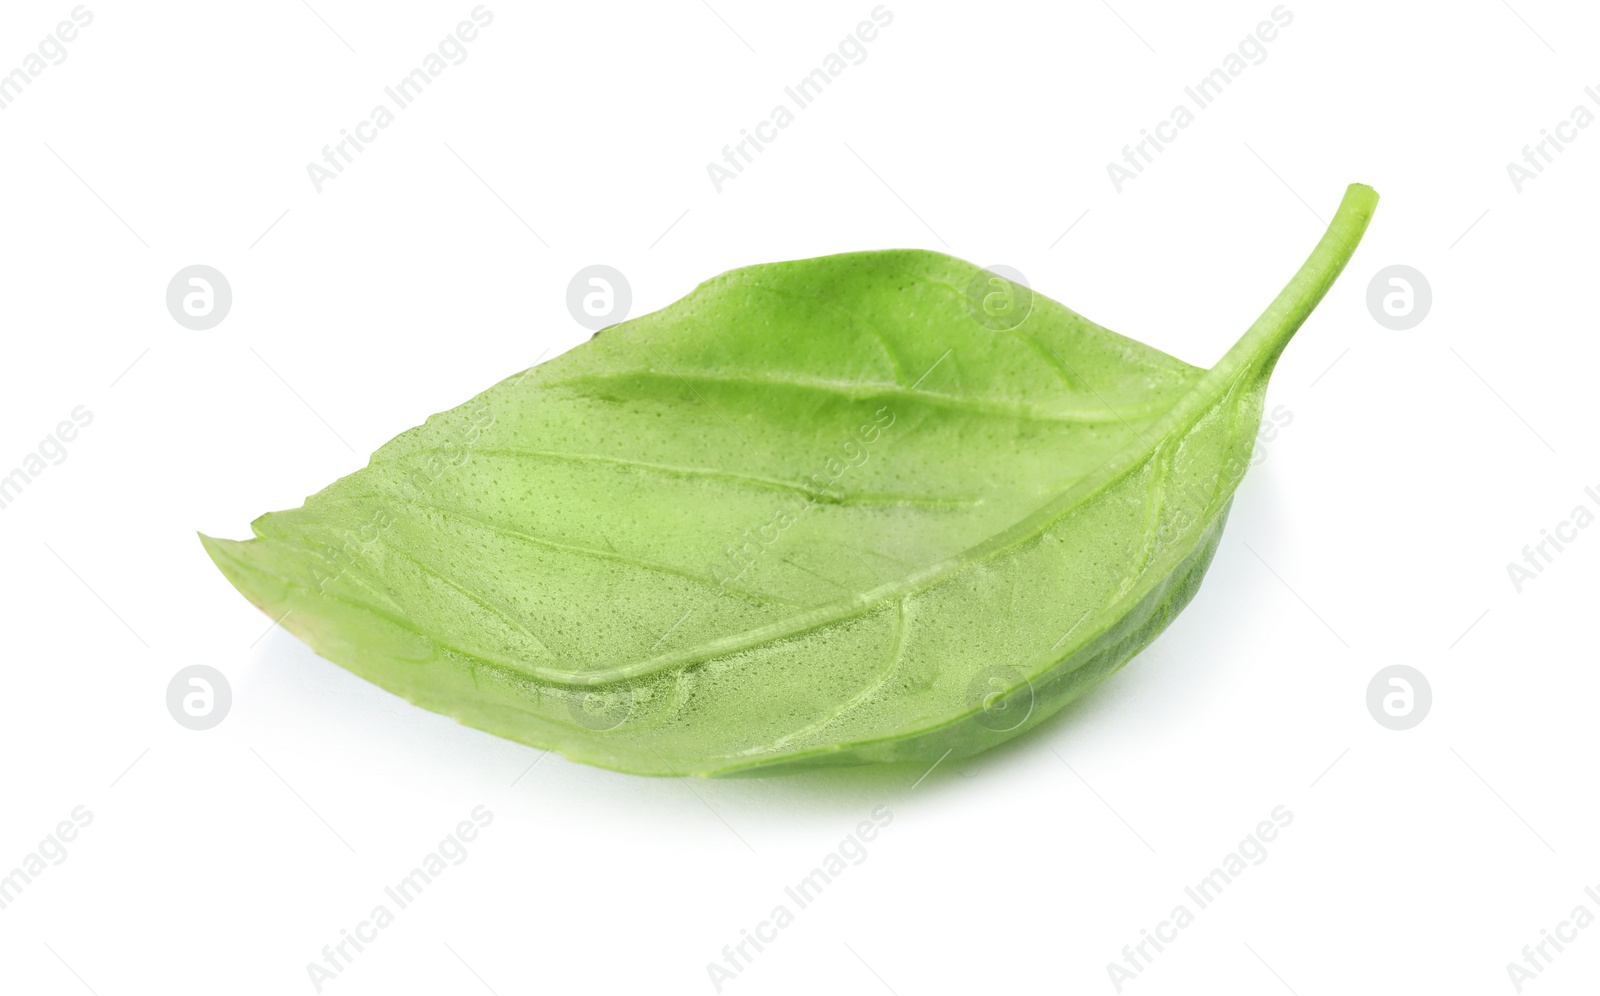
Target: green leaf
[870, 507]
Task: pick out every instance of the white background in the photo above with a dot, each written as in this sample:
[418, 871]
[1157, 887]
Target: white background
[1376, 532]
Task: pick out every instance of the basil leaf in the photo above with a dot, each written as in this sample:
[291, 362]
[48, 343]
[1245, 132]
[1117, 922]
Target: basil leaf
[870, 507]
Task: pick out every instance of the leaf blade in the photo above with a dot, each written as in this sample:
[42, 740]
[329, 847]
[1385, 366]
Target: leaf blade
[554, 543]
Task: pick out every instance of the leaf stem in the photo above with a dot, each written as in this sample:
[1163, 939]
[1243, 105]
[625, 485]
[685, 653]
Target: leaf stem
[1259, 348]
